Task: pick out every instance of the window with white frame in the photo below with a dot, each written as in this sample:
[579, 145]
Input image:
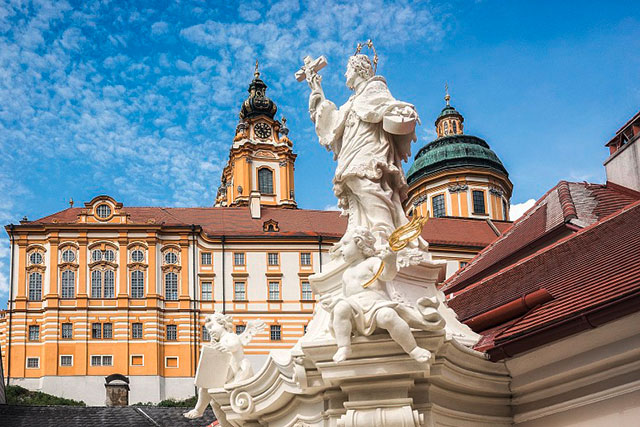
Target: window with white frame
[96, 360]
[96, 255]
[35, 287]
[171, 286]
[238, 258]
[273, 258]
[33, 362]
[102, 284]
[172, 332]
[103, 211]
[109, 284]
[206, 291]
[66, 331]
[307, 295]
[170, 258]
[137, 284]
[438, 206]
[68, 279]
[205, 258]
[478, 202]
[136, 330]
[96, 331]
[34, 333]
[275, 333]
[109, 255]
[36, 258]
[137, 255]
[274, 291]
[305, 258]
[265, 181]
[96, 284]
[66, 360]
[68, 256]
[239, 292]
[101, 360]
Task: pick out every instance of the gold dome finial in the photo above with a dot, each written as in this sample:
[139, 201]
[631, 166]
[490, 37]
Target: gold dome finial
[256, 73]
[446, 92]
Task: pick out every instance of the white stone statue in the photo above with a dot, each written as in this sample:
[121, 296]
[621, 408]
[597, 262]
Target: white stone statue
[224, 341]
[364, 304]
[370, 136]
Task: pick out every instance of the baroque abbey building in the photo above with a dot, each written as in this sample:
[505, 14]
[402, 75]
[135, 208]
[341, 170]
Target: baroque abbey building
[107, 288]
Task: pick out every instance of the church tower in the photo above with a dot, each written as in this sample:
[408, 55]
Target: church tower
[261, 160]
[457, 174]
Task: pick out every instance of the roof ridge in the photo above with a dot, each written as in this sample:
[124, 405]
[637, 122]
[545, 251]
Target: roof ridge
[548, 248]
[569, 211]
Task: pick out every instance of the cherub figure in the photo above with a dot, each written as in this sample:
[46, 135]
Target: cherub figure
[223, 339]
[365, 305]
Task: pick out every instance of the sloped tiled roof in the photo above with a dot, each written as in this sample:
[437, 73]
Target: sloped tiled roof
[589, 270]
[237, 221]
[566, 207]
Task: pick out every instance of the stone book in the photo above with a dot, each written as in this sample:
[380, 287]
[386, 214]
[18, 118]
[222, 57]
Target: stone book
[213, 368]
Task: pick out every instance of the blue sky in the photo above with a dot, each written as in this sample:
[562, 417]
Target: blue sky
[139, 101]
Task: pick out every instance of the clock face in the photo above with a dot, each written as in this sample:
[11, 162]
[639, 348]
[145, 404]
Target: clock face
[262, 130]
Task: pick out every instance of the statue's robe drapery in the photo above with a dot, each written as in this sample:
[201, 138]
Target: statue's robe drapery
[369, 182]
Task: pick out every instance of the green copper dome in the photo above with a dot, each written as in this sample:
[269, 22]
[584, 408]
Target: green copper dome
[454, 151]
[448, 110]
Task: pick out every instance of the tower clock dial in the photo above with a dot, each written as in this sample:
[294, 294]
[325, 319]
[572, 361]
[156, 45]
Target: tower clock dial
[262, 130]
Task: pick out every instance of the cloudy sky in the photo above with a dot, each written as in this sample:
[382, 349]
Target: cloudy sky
[139, 101]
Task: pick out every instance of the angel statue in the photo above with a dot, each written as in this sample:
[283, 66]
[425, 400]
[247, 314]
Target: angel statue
[365, 305]
[227, 346]
[370, 135]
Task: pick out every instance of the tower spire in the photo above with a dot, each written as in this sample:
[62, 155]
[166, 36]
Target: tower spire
[446, 92]
[256, 73]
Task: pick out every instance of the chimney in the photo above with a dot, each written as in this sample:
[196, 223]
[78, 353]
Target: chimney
[623, 165]
[254, 204]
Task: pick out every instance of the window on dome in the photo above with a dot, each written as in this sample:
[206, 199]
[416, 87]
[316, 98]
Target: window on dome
[455, 127]
[265, 181]
[446, 128]
[505, 210]
[478, 202]
[438, 206]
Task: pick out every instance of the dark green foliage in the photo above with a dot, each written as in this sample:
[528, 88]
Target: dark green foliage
[186, 403]
[17, 395]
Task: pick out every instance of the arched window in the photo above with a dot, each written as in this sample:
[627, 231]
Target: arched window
[35, 287]
[137, 284]
[96, 284]
[265, 181]
[171, 286]
[109, 284]
[455, 127]
[68, 284]
[446, 128]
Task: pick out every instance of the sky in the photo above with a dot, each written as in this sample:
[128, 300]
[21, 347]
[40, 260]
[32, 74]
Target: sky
[140, 100]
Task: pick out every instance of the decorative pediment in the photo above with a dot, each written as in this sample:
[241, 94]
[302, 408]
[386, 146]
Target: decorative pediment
[265, 154]
[103, 209]
[270, 225]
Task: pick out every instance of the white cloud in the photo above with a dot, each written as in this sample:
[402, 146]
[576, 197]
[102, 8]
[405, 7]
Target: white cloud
[516, 210]
[159, 28]
[333, 207]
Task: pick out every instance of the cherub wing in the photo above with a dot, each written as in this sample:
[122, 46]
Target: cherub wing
[253, 328]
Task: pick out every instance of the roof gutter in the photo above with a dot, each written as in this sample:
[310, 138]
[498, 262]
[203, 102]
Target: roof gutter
[508, 311]
[589, 319]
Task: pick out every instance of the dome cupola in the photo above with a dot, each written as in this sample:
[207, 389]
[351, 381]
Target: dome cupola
[257, 103]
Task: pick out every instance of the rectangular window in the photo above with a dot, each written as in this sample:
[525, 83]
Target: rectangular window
[171, 362]
[109, 284]
[206, 291]
[67, 331]
[205, 334]
[35, 287]
[478, 202]
[238, 258]
[275, 333]
[273, 258]
[96, 284]
[172, 332]
[96, 360]
[66, 360]
[137, 360]
[239, 293]
[307, 295]
[96, 330]
[205, 258]
[34, 333]
[136, 331]
[171, 286]
[107, 360]
[240, 329]
[137, 284]
[33, 362]
[68, 285]
[305, 258]
[274, 291]
[107, 330]
[438, 206]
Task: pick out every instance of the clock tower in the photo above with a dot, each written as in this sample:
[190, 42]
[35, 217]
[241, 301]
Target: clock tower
[261, 161]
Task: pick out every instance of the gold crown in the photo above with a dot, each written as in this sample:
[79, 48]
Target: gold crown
[369, 44]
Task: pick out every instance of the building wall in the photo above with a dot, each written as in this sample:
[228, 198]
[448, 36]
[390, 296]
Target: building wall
[623, 166]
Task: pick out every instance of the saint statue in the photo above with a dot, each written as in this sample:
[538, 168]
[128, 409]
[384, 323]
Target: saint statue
[370, 136]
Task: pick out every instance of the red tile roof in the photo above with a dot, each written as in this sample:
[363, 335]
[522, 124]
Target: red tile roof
[572, 203]
[587, 271]
[227, 221]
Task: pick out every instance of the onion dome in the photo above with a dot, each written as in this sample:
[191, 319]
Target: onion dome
[257, 104]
